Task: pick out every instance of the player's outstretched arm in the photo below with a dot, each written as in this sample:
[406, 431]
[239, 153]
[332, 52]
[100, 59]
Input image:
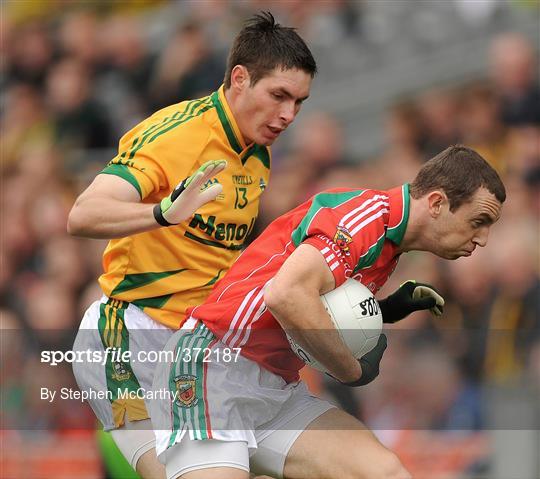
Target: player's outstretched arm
[293, 299]
[409, 297]
[110, 207]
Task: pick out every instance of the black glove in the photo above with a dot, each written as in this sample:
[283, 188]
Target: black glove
[411, 296]
[369, 363]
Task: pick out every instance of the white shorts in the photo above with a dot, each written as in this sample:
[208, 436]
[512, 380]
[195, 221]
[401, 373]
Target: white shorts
[117, 385]
[217, 394]
[134, 439]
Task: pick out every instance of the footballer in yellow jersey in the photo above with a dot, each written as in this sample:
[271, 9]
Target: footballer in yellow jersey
[166, 270]
[177, 204]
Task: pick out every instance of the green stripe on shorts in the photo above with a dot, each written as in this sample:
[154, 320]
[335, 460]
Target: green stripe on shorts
[114, 334]
[174, 373]
[186, 379]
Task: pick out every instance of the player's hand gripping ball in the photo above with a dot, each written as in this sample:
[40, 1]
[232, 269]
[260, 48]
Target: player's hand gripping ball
[355, 314]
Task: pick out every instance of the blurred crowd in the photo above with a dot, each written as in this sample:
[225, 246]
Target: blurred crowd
[73, 82]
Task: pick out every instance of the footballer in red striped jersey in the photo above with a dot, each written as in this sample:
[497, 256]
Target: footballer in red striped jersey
[358, 232]
[253, 414]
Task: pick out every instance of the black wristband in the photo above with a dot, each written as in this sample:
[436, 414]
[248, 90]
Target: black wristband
[158, 215]
[386, 312]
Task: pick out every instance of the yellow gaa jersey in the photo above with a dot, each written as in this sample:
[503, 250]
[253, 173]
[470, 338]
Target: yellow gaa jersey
[167, 270]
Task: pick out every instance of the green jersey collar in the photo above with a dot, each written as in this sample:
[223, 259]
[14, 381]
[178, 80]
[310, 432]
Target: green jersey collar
[399, 213]
[227, 120]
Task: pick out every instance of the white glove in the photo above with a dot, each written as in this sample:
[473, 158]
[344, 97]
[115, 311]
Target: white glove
[187, 197]
[426, 291]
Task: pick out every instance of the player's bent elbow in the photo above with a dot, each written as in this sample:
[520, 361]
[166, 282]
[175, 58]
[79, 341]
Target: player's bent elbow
[75, 223]
[275, 299]
[270, 297]
[72, 226]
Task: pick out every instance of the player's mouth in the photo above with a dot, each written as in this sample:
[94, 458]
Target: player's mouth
[274, 132]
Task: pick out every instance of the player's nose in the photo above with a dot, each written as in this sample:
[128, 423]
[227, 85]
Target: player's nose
[287, 113]
[481, 237]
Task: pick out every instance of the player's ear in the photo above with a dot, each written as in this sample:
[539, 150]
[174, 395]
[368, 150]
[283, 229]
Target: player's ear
[239, 78]
[436, 201]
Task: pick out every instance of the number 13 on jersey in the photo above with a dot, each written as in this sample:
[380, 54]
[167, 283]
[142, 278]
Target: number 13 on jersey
[241, 199]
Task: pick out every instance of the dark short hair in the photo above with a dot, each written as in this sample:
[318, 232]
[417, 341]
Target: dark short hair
[458, 171]
[263, 45]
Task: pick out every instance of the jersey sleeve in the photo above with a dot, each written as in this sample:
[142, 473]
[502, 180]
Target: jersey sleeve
[143, 172]
[348, 235]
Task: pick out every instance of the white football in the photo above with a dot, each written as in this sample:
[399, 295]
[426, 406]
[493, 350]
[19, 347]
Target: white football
[356, 315]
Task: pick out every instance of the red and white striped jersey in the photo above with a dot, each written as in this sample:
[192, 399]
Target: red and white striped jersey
[358, 233]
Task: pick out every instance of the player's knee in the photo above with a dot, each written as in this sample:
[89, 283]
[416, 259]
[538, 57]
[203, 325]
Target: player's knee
[214, 473]
[391, 467]
[383, 465]
[148, 466]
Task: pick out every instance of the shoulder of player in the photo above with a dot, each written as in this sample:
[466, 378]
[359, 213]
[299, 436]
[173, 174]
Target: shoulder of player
[170, 122]
[188, 130]
[362, 210]
[344, 199]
